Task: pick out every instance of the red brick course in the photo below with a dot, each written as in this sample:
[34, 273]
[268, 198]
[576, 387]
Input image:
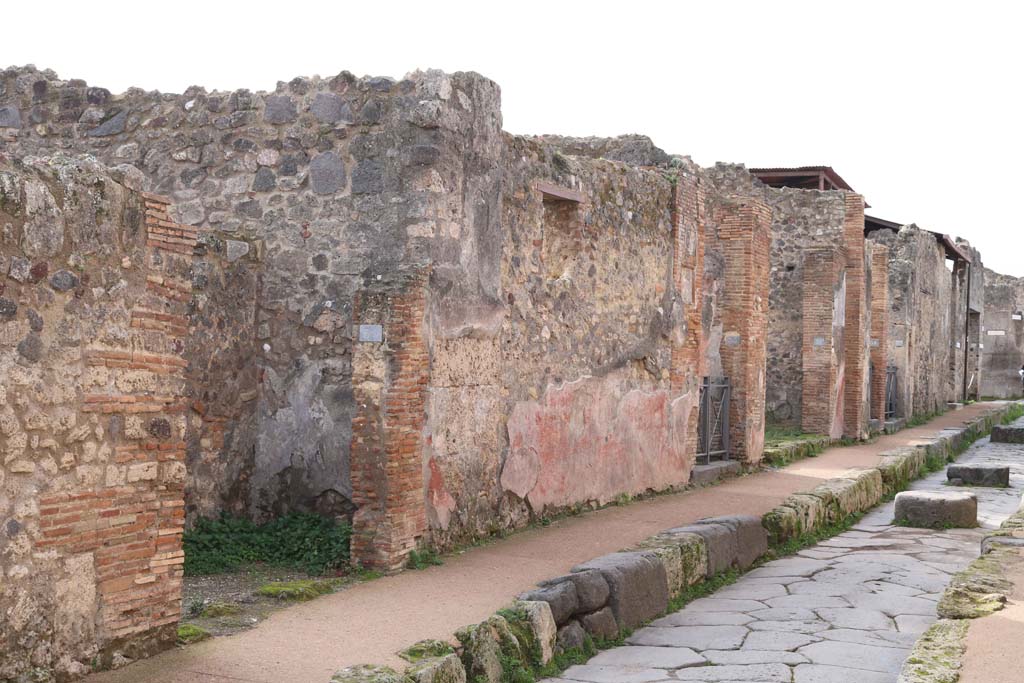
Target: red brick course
[744, 238]
[824, 338]
[390, 383]
[879, 328]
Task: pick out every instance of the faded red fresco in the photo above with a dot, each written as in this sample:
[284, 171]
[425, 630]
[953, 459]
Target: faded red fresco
[595, 439]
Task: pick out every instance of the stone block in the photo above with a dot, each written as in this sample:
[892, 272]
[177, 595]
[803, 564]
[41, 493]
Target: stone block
[721, 544]
[1007, 434]
[571, 636]
[702, 475]
[560, 596]
[601, 624]
[693, 553]
[979, 475]
[446, 669]
[366, 673]
[637, 583]
[932, 509]
[751, 536]
[591, 590]
[542, 625]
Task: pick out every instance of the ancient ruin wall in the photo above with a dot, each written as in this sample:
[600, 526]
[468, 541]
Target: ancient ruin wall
[94, 291]
[801, 220]
[1002, 354]
[310, 177]
[568, 399]
[921, 336]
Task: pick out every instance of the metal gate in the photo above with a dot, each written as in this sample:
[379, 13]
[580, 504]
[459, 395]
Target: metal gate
[890, 393]
[713, 426]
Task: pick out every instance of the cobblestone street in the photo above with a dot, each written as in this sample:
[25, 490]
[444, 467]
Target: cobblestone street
[847, 609]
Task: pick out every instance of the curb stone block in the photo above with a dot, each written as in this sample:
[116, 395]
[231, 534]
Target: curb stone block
[672, 557]
[366, 673]
[483, 646]
[571, 636]
[601, 624]
[693, 552]
[751, 537]
[447, 669]
[721, 544]
[542, 624]
[560, 594]
[637, 582]
[591, 590]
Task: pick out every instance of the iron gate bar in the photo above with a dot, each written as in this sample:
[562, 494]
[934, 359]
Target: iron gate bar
[890, 392]
[713, 420]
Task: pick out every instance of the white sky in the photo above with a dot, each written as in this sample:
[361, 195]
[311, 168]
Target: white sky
[915, 104]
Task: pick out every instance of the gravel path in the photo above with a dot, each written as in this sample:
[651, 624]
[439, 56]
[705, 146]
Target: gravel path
[847, 610]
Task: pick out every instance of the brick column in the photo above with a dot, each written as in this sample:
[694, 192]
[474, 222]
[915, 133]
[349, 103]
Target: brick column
[744, 236]
[823, 349]
[131, 522]
[687, 279]
[879, 327]
[390, 372]
[856, 334]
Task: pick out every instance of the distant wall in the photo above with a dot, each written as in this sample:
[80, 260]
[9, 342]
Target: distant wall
[1002, 354]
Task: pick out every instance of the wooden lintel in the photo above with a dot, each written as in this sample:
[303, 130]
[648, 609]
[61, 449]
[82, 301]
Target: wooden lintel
[559, 193]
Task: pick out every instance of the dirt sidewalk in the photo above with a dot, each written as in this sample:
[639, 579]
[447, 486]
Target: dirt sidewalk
[370, 622]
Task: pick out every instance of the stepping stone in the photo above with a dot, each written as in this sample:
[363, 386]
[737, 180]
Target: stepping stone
[641, 657]
[979, 475]
[934, 510]
[1006, 434]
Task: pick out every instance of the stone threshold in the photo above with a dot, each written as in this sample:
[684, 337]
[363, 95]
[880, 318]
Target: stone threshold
[615, 593]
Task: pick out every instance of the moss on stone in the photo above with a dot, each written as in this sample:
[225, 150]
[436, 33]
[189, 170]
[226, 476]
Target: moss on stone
[936, 657]
[220, 609]
[190, 633]
[367, 673]
[425, 649]
[303, 589]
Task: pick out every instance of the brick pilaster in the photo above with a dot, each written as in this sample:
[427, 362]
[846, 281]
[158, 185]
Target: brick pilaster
[856, 333]
[823, 352]
[687, 275]
[744, 238]
[389, 380]
[132, 522]
[879, 327]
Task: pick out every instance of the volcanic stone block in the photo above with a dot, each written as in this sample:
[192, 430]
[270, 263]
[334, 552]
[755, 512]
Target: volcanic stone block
[751, 536]
[979, 475]
[1007, 434]
[721, 543]
[637, 582]
[933, 509]
[561, 597]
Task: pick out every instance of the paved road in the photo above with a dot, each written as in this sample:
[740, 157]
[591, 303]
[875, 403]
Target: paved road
[847, 610]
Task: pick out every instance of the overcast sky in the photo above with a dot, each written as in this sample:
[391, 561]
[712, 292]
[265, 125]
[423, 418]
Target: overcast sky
[916, 105]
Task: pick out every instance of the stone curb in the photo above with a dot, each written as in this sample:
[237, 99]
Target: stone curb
[617, 592]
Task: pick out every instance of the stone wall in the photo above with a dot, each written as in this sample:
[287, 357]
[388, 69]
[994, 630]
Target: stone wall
[804, 221]
[921, 334]
[95, 288]
[1002, 354]
[338, 185]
